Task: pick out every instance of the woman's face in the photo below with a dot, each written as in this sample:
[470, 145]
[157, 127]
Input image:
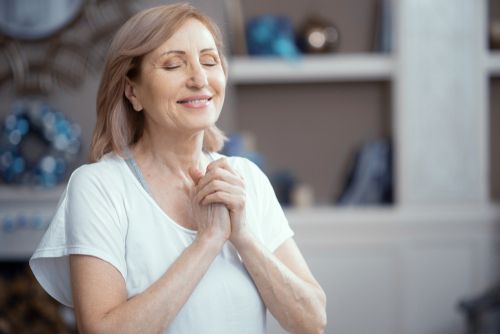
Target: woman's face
[182, 83]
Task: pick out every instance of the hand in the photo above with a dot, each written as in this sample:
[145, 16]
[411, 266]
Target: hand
[213, 218]
[223, 185]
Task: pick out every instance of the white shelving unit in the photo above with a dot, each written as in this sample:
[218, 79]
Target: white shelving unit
[314, 68]
[404, 268]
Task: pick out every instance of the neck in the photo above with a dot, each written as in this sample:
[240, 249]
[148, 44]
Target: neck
[174, 153]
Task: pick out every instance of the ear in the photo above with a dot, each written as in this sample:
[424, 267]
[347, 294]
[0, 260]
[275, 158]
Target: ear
[131, 94]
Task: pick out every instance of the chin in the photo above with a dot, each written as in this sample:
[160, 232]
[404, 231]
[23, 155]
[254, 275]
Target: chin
[206, 121]
[201, 126]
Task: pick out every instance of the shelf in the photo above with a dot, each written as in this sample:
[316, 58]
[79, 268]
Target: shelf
[353, 67]
[384, 225]
[493, 64]
[15, 195]
[391, 215]
[25, 213]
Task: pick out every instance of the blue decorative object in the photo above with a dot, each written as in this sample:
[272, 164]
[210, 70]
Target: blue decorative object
[55, 141]
[242, 145]
[22, 222]
[272, 36]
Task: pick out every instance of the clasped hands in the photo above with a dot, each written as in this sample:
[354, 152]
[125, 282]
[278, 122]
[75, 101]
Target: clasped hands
[218, 201]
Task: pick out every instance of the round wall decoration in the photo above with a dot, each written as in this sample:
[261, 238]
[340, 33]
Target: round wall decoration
[49, 43]
[53, 141]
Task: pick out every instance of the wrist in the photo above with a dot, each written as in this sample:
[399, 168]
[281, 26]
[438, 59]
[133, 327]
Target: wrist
[242, 240]
[210, 241]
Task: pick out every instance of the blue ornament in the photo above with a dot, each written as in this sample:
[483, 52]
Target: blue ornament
[271, 35]
[60, 137]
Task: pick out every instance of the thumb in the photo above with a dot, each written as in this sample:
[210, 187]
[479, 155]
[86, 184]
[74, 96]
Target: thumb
[195, 174]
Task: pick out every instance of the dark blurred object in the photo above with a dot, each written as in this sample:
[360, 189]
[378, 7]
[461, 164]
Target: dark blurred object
[37, 144]
[383, 27]
[494, 34]
[271, 35]
[283, 183]
[370, 178]
[25, 307]
[482, 313]
[318, 35]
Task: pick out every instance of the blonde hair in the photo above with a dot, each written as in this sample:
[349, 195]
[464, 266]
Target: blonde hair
[118, 125]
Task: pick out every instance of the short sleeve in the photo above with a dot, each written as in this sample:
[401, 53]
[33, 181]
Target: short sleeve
[86, 222]
[272, 224]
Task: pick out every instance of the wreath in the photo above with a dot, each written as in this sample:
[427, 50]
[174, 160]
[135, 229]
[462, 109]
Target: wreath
[37, 144]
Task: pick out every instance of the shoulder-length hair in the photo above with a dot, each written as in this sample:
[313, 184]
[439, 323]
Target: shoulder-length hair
[118, 125]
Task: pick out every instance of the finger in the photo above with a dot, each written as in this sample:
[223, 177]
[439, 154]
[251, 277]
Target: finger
[220, 174]
[221, 163]
[217, 185]
[232, 201]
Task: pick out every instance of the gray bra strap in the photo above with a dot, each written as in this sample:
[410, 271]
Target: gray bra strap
[132, 164]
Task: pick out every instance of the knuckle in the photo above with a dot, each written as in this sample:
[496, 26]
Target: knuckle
[218, 173]
[219, 195]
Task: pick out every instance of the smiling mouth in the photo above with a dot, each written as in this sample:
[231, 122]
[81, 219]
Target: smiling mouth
[195, 101]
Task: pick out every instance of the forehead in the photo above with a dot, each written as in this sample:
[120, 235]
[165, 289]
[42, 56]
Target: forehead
[192, 34]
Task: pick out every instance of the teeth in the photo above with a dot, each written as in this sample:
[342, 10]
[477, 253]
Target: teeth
[196, 101]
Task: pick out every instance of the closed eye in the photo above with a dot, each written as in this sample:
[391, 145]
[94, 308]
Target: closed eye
[171, 67]
[208, 60]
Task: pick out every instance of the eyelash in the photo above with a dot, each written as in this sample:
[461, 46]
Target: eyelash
[170, 68]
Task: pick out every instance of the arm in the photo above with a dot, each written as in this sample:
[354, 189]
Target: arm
[99, 290]
[100, 295]
[283, 278]
[286, 284]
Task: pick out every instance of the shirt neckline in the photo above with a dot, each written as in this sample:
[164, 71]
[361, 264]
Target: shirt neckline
[150, 198]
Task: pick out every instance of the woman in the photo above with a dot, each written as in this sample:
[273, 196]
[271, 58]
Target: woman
[160, 232]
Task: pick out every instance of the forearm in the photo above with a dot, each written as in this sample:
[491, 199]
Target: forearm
[299, 306]
[153, 310]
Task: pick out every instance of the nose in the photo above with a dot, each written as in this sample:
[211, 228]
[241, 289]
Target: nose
[197, 76]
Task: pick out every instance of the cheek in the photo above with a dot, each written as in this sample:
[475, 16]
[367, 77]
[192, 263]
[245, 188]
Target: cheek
[164, 85]
[220, 83]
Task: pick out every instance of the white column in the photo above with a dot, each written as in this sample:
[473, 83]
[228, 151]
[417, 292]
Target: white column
[440, 115]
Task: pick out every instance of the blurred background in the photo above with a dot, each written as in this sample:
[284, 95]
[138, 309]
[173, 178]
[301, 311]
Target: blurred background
[377, 121]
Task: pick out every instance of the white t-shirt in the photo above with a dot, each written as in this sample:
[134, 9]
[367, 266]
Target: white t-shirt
[105, 212]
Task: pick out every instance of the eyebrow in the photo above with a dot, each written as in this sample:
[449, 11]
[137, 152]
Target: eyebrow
[180, 52]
